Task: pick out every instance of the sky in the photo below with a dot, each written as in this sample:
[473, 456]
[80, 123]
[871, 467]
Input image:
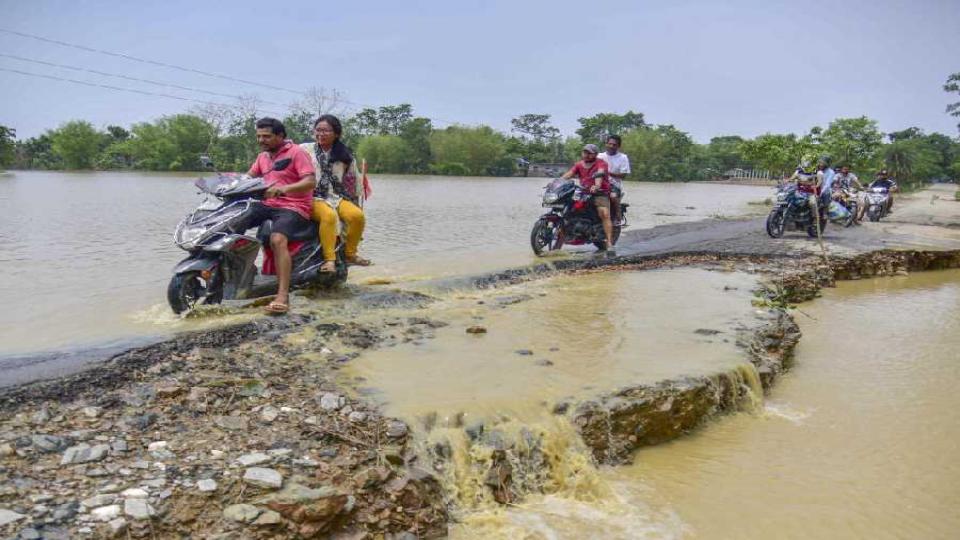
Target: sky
[710, 68]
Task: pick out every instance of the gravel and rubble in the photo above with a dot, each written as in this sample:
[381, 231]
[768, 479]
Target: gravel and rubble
[241, 436]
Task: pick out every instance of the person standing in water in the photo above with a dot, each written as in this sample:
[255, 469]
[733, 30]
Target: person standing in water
[339, 193]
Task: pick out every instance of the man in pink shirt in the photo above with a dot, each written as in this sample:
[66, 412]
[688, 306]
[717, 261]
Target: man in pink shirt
[291, 178]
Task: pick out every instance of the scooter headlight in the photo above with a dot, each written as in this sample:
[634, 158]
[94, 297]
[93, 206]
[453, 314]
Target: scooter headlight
[187, 237]
[550, 197]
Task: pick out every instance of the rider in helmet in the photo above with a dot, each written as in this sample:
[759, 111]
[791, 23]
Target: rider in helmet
[884, 181]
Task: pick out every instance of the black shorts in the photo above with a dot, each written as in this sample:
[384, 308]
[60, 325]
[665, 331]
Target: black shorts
[285, 222]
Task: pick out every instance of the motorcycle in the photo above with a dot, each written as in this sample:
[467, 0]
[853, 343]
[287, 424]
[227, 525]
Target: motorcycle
[792, 207]
[878, 203]
[572, 219]
[849, 199]
[222, 261]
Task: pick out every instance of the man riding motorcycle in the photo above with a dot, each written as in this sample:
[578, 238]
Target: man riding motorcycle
[845, 184]
[884, 181]
[593, 176]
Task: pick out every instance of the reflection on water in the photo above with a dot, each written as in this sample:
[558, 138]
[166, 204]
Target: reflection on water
[85, 257]
[566, 336]
[859, 440]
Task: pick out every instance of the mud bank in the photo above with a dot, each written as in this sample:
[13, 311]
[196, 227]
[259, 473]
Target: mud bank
[242, 431]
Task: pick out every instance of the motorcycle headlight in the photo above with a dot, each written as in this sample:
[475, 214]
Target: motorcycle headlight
[550, 197]
[782, 196]
[187, 237]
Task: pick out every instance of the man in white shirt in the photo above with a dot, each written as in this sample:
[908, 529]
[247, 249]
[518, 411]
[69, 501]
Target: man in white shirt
[619, 167]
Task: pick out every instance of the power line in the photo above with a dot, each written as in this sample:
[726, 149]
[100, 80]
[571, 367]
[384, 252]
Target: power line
[119, 76]
[188, 69]
[121, 89]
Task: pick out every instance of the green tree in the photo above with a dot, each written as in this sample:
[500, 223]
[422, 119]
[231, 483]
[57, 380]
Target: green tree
[37, 153]
[7, 145]
[778, 152]
[593, 129]
[172, 143]
[721, 155]
[663, 153]
[911, 162]
[386, 154]
[416, 133]
[953, 85]
[852, 141]
[475, 151]
[76, 144]
[535, 126]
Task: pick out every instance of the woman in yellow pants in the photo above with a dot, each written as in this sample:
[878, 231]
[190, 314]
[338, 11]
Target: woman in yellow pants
[339, 194]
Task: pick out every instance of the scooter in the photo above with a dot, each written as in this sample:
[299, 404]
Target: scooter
[222, 261]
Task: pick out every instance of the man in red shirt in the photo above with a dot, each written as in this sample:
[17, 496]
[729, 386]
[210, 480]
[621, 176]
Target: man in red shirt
[291, 178]
[593, 176]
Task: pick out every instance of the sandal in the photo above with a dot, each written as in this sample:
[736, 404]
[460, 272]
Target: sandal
[328, 267]
[277, 308]
[357, 260]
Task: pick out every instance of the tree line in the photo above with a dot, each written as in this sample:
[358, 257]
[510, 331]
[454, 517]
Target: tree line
[394, 140]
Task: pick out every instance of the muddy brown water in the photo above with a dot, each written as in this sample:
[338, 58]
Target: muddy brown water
[85, 257]
[859, 440]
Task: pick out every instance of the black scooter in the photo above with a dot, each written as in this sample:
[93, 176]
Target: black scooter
[222, 262]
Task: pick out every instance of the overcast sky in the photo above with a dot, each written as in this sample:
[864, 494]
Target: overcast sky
[708, 67]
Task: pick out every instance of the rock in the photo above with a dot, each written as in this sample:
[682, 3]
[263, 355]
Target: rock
[48, 443]
[706, 332]
[138, 509]
[29, 534]
[269, 413]
[97, 472]
[117, 526]
[524, 352]
[119, 446]
[9, 516]
[544, 362]
[106, 513]
[84, 453]
[160, 451]
[255, 458]
[198, 393]
[331, 402]
[6, 450]
[231, 423]
[135, 493]
[297, 493]
[99, 500]
[357, 416]
[397, 429]
[207, 485]
[169, 390]
[66, 511]
[476, 330]
[40, 417]
[262, 477]
[141, 422]
[241, 513]
[91, 412]
[267, 518]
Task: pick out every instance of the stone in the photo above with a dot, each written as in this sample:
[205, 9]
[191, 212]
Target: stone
[41, 416]
[231, 423]
[48, 443]
[135, 493]
[241, 513]
[65, 511]
[106, 513]
[267, 518]
[97, 501]
[207, 485]
[169, 390]
[544, 362]
[298, 493]
[6, 450]
[141, 422]
[269, 413]
[117, 526]
[91, 412]
[331, 402]
[279, 452]
[256, 458]
[263, 477]
[119, 446]
[97, 472]
[84, 453]
[476, 330]
[396, 429]
[524, 352]
[9, 516]
[29, 534]
[138, 509]
[357, 416]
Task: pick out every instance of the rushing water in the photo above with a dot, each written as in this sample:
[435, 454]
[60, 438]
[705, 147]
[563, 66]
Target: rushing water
[859, 440]
[85, 257]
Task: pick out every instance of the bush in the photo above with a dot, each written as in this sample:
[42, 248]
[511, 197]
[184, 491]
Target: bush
[450, 169]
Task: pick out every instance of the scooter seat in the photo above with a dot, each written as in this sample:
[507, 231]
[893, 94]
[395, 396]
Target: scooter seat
[302, 234]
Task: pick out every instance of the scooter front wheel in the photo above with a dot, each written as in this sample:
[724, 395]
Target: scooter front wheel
[188, 289]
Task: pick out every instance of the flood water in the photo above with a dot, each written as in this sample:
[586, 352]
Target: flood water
[85, 257]
[859, 440]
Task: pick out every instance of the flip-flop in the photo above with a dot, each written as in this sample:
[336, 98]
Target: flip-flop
[324, 269]
[357, 260]
[277, 308]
